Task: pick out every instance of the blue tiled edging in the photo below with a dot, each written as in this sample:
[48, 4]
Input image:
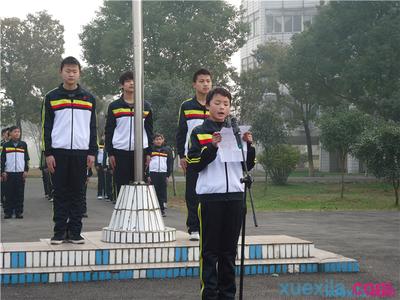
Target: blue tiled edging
[100, 257]
[260, 269]
[96, 257]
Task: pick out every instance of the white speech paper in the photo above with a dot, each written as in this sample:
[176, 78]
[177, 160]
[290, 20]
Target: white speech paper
[228, 148]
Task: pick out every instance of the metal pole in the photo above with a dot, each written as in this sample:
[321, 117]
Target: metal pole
[137, 37]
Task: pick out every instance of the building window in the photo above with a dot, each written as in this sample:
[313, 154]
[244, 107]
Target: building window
[249, 63]
[245, 63]
[296, 23]
[288, 24]
[253, 21]
[278, 24]
[307, 21]
[270, 24]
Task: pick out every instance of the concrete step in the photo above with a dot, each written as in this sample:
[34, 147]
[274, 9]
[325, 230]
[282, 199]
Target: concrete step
[324, 262]
[41, 262]
[96, 252]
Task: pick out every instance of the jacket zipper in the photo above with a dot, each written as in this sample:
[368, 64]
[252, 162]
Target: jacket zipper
[72, 122]
[226, 176]
[159, 162]
[130, 129]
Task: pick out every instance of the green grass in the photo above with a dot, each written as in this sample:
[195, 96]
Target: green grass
[313, 196]
[260, 173]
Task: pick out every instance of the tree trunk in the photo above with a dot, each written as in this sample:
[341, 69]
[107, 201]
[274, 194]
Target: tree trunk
[311, 172]
[343, 158]
[19, 122]
[396, 184]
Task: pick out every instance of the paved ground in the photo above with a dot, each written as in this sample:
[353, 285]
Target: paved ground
[371, 237]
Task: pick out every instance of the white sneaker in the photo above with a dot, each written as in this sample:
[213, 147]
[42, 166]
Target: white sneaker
[99, 197]
[194, 236]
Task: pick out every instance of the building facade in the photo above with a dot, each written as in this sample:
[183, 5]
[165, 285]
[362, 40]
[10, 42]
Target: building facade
[277, 20]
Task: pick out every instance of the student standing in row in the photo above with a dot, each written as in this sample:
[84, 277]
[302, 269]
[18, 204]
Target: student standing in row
[70, 145]
[104, 174]
[192, 113]
[14, 169]
[4, 139]
[220, 192]
[100, 171]
[120, 133]
[160, 169]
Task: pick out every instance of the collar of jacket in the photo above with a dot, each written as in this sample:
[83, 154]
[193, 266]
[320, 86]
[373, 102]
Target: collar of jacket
[11, 143]
[194, 99]
[70, 93]
[123, 103]
[211, 125]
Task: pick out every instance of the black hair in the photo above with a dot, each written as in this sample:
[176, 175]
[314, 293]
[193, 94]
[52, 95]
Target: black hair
[156, 135]
[10, 129]
[4, 130]
[218, 91]
[201, 72]
[128, 75]
[70, 60]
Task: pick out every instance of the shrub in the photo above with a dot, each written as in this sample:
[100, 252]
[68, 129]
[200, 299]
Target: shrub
[279, 161]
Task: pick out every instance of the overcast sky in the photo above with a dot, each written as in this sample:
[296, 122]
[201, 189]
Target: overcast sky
[73, 14]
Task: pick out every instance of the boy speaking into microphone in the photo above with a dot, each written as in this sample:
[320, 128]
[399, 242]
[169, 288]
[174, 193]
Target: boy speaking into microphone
[220, 195]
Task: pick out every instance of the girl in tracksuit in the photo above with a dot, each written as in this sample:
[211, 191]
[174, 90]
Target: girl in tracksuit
[220, 194]
[160, 169]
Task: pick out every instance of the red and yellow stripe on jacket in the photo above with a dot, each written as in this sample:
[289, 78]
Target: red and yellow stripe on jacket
[204, 138]
[159, 154]
[120, 112]
[195, 114]
[75, 103]
[13, 149]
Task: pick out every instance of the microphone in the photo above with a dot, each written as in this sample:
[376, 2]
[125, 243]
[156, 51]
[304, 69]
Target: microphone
[227, 122]
[236, 132]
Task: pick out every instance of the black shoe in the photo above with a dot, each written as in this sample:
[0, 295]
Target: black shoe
[19, 216]
[7, 216]
[84, 215]
[77, 240]
[163, 213]
[55, 240]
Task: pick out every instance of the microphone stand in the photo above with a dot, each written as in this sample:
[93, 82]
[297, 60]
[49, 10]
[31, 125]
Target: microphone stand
[247, 180]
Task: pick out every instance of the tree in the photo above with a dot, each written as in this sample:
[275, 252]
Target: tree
[304, 97]
[166, 104]
[380, 149]
[281, 74]
[179, 38]
[260, 85]
[269, 131]
[31, 54]
[340, 131]
[279, 161]
[268, 128]
[355, 46]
